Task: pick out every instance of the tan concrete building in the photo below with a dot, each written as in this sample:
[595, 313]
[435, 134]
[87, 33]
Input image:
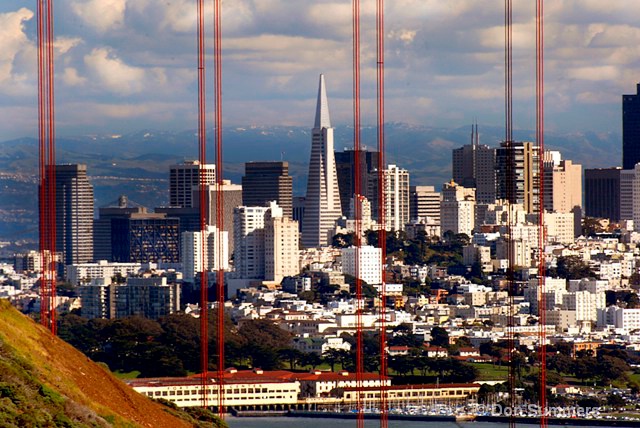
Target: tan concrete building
[563, 187]
[457, 212]
[281, 246]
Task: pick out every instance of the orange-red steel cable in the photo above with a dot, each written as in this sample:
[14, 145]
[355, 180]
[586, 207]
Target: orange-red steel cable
[46, 164]
[511, 195]
[542, 319]
[384, 405]
[358, 212]
[202, 157]
[217, 58]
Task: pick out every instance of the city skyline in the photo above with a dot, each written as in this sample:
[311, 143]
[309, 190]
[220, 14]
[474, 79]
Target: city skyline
[123, 65]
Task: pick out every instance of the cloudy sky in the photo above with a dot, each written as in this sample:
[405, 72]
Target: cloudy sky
[125, 65]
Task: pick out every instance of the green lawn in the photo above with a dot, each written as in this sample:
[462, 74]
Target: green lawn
[127, 375]
[489, 371]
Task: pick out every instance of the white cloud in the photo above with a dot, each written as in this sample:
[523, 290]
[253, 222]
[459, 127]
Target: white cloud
[101, 15]
[113, 73]
[13, 41]
[71, 77]
[444, 58]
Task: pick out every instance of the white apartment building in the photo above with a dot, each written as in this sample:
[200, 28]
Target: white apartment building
[192, 252]
[249, 223]
[560, 227]
[83, 273]
[389, 289]
[623, 318]
[396, 194]
[585, 304]
[554, 289]
[369, 267]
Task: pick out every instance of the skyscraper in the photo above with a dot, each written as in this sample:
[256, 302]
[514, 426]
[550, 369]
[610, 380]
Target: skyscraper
[268, 181]
[396, 197]
[631, 130]
[525, 182]
[183, 177]
[345, 171]
[119, 208]
[145, 238]
[602, 193]
[473, 166]
[74, 214]
[322, 205]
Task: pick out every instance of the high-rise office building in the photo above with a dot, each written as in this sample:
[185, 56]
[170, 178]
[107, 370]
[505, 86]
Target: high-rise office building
[523, 186]
[120, 208]
[74, 214]
[145, 238]
[424, 201]
[631, 130]
[602, 193]
[345, 171]
[473, 166]
[268, 181]
[182, 179]
[322, 204]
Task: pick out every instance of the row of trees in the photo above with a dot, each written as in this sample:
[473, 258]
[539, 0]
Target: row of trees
[170, 347]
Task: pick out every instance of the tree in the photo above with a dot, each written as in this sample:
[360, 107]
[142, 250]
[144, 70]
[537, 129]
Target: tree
[343, 240]
[573, 267]
[310, 359]
[293, 356]
[262, 340]
[332, 357]
[439, 337]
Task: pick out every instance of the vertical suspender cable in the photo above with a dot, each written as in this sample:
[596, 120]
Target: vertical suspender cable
[217, 57]
[542, 346]
[202, 157]
[511, 196]
[384, 410]
[46, 164]
[358, 211]
[51, 158]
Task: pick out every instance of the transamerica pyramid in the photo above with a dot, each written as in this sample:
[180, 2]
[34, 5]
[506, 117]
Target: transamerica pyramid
[322, 204]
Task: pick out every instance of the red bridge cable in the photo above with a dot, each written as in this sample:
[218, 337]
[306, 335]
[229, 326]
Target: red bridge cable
[202, 158]
[217, 56]
[358, 212]
[511, 199]
[384, 406]
[542, 347]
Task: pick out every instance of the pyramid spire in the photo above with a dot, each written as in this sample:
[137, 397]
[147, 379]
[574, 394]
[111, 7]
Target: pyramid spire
[322, 108]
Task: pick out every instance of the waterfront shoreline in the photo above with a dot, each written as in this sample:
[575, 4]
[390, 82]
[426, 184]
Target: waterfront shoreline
[467, 418]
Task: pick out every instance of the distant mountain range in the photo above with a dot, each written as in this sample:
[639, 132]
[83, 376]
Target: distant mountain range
[137, 164]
